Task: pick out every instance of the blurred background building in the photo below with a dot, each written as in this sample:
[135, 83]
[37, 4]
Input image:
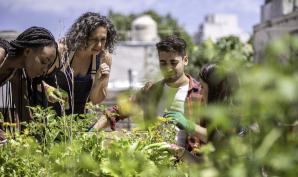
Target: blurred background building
[278, 17]
[216, 26]
[8, 34]
[144, 29]
[135, 61]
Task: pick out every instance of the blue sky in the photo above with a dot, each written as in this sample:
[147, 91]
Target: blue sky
[58, 15]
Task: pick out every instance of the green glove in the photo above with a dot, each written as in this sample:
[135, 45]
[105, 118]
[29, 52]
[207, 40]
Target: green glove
[181, 121]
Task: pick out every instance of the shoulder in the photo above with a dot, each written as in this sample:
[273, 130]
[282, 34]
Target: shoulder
[194, 83]
[149, 91]
[199, 90]
[5, 45]
[4, 48]
[152, 86]
[3, 55]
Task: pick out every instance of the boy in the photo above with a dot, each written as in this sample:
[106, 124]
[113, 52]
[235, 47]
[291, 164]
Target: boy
[174, 97]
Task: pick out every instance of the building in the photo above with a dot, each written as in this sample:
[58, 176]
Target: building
[8, 34]
[278, 17]
[135, 61]
[144, 29]
[216, 26]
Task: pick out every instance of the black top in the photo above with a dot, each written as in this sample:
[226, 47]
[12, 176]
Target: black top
[78, 90]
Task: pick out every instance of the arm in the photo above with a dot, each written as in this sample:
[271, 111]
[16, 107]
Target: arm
[201, 132]
[124, 108]
[113, 114]
[102, 123]
[2, 53]
[20, 97]
[99, 89]
[110, 116]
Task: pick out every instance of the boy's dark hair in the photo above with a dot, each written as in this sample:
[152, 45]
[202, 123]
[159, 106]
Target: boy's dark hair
[172, 43]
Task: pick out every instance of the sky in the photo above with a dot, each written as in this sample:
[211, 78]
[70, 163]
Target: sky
[58, 15]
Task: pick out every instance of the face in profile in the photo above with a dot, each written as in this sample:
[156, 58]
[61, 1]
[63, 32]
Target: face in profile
[38, 61]
[172, 65]
[97, 40]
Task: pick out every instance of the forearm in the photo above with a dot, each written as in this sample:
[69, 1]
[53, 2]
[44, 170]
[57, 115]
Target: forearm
[190, 158]
[201, 132]
[2, 52]
[99, 90]
[101, 123]
[110, 117]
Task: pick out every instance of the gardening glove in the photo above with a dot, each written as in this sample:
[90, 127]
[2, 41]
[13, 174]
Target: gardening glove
[179, 119]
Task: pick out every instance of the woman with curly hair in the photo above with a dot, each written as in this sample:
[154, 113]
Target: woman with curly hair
[86, 61]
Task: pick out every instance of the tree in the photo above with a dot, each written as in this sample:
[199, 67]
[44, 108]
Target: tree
[226, 49]
[167, 25]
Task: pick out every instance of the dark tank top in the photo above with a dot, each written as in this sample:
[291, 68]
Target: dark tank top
[78, 88]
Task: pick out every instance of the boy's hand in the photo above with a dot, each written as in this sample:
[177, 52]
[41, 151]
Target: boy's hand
[179, 119]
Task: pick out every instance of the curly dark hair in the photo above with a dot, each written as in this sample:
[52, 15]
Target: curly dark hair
[172, 43]
[77, 36]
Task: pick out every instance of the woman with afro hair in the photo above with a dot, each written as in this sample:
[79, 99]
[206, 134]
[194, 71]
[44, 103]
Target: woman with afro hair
[30, 55]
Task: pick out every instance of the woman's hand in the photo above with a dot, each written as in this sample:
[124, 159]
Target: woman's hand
[105, 67]
[99, 89]
[56, 95]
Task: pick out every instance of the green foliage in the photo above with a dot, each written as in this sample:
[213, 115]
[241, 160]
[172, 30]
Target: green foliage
[60, 146]
[265, 105]
[166, 25]
[226, 50]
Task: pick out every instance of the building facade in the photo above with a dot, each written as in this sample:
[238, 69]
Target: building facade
[278, 17]
[216, 26]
